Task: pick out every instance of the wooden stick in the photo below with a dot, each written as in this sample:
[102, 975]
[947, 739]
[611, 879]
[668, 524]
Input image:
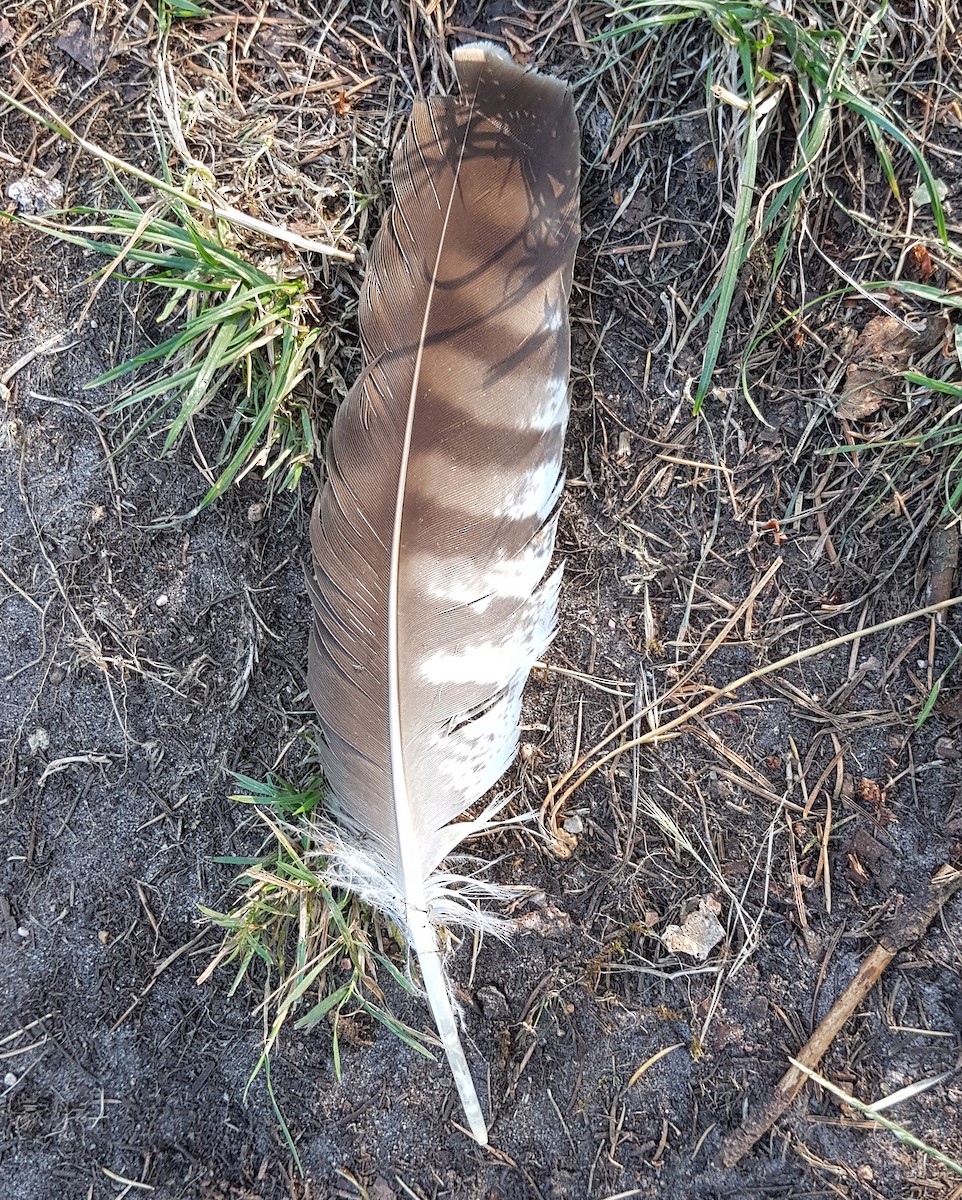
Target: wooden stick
[902, 932]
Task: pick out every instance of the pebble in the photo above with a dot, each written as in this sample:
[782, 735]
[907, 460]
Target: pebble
[38, 740]
[35, 194]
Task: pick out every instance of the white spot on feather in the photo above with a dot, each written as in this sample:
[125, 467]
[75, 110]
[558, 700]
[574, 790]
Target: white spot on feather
[459, 581]
[498, 662]
[535, 494]
[481, 662]
[476, 754]
[555, 319]
[550, 410]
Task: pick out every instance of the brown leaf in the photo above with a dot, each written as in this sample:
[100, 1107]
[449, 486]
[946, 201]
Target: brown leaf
[85, 46]
[548, 921]
[919, 263]
[881, 353]
[699, 933]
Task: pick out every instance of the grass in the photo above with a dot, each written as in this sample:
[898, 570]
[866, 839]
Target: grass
[248, 334]
[906, 1137]
[761, 63]
[896, 440]
[314, 954]
[239, 330]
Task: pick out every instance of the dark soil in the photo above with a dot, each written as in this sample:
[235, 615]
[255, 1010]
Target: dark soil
[144, 664]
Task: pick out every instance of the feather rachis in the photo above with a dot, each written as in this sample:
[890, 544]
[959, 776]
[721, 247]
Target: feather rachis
[433, 536]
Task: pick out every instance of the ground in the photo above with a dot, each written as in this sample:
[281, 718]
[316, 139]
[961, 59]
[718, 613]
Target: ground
[147, 659]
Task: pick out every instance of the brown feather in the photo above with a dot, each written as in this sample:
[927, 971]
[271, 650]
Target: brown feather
[434, 531]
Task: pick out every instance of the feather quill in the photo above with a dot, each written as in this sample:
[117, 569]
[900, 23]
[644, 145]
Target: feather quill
[434, 530]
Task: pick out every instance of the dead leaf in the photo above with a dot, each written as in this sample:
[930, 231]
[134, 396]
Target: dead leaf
[699, 933]
[919, 263]
[548, 922]
[856, 872]
[726, 1033]
[881, 353]
[86, 46]
[6, 32]
[869, 851]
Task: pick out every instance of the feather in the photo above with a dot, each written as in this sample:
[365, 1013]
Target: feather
[434, 530]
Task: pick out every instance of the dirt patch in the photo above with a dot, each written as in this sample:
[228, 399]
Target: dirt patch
[145, 662]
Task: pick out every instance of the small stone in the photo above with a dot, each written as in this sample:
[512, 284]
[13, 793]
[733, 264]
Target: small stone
[104, 937]
[946, 748]
[162, 601]
[9, 1080]
[573, 825]
[256, 512]
[23, 931]
[34, 194]
[493, 1003]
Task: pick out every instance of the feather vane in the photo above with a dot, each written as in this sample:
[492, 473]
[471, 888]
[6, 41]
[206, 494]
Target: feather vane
[433, 534]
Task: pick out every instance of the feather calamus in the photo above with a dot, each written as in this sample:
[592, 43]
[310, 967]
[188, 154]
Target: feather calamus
[434, 530]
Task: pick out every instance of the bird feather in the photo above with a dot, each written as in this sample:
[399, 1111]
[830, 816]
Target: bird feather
[433, 533]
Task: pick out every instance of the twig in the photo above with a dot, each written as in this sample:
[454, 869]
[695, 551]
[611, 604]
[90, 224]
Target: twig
[902, 932]
[158, 971]
[943, 564]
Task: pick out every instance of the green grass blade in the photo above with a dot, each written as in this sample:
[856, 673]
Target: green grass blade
[735, 257]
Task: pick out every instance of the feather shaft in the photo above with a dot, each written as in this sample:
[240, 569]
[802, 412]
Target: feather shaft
[425, 944]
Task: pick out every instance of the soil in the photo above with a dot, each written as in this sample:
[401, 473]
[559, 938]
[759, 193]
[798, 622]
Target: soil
[145, 661]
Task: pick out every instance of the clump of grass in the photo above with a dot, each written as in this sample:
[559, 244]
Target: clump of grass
[239, 330]
[246, 333]
[315, 953]
[927, 424]
[761, 58]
